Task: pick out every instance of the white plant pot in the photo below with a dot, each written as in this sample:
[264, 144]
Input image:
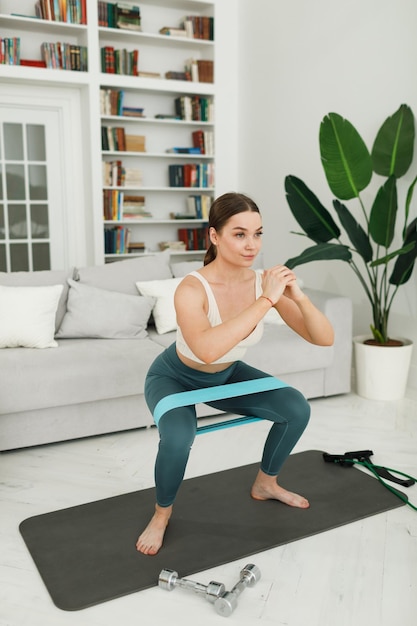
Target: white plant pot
[381, 371]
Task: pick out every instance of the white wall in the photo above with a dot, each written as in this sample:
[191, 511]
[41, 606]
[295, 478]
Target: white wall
[299, 60]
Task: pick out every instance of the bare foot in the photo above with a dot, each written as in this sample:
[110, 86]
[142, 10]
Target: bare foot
[266, 488]
[150, 541]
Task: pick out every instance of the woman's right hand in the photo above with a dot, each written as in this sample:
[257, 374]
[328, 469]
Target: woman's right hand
[275, 281]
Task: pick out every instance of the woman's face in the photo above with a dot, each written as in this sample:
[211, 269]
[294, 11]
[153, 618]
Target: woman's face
[240, 239]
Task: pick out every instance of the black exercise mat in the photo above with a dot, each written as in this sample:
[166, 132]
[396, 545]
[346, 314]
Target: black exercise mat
[86, 554]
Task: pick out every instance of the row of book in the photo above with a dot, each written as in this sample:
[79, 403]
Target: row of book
[114, 61]
[199, 205]
[199, 70]
[112, 103]
[116, 175]
[65, 56]
[194, 238]
[194, 108]
[196, 70]
[120, 206]
[117, 240]
[191, 175]
[114, 138]
[71, 11]
[194, 26]
[119, 15]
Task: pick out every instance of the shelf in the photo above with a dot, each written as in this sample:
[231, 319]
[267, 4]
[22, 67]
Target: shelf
[156, 85]
[192, 190]
[151, 220]
[158, 155]
[152, 120]
[35, 25]
[43, 76]
[131, 255]
[153, 38]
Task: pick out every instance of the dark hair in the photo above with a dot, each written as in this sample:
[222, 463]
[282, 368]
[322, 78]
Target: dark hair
[222, 209]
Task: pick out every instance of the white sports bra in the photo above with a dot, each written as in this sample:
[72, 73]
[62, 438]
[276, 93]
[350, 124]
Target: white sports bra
[236, 353]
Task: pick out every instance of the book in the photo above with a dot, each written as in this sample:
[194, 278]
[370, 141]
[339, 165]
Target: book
[135, 143]
[173, 31]
[178, 150]
[149, 74]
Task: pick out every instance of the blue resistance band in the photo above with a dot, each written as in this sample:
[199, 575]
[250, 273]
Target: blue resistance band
[219, 392]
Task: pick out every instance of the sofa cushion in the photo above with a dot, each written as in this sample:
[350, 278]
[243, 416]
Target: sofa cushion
[79, 370]
[122, 275]
[282, 351]
[99, 313]
[27, 316]
[163, 312]
[41, 278]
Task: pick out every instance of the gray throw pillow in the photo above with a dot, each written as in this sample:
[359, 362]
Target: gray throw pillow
[99, 313]
[122, 275]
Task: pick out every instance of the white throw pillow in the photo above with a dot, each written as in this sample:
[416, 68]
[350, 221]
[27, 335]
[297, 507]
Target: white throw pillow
[103, 314]
[163, 311]
[27, 316]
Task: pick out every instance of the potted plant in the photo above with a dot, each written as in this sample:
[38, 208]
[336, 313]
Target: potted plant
[381, 258]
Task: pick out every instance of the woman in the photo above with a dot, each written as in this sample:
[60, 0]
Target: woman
[220, 310]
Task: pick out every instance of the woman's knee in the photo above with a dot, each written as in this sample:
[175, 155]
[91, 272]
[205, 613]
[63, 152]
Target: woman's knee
[293, 406]
[177, 432]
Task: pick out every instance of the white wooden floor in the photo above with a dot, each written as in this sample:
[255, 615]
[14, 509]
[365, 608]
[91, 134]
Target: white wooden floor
[362, 573]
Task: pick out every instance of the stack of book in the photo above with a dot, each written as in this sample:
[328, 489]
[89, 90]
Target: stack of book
[132, 177]
[119, 15]
[173, 31]
[135, 143]
[136, 247]
[133, 208]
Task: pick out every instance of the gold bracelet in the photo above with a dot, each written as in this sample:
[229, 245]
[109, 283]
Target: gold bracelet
[269, 299]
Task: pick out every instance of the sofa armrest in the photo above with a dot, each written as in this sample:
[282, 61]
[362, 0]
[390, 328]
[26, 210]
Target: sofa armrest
[338, 310]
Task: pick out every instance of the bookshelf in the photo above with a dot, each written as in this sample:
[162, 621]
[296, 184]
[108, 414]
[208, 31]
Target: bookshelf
[162, 127]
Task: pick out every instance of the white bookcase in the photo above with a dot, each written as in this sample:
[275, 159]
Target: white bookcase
[157, 53]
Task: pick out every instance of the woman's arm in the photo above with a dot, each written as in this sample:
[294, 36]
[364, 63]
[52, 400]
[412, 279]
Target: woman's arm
[207, 342]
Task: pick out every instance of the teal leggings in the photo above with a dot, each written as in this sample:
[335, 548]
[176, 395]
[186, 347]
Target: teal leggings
[286, 408]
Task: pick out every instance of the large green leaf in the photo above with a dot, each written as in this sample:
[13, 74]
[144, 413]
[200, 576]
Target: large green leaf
[355, 232]
[392, 152]
[384, 213]
[404, 265]
[307, 209]
[321, 252]
[345, 157]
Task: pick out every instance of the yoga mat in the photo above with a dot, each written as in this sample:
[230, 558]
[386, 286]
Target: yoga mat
[86, 554]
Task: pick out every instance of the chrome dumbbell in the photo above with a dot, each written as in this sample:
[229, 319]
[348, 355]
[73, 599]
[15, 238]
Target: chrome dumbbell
[168, 579]
[226, 604]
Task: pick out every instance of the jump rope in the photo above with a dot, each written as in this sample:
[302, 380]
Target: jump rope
[363, 458]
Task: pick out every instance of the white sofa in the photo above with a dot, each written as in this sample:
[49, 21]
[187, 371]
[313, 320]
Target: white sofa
[92, 381]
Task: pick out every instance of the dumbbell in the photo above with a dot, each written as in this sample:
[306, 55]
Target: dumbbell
[168, 579]
[226, 604]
